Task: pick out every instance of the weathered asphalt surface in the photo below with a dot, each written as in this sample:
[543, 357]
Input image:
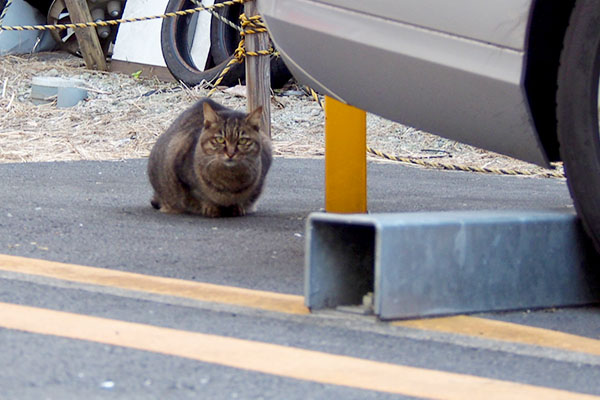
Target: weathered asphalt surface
[98, 214]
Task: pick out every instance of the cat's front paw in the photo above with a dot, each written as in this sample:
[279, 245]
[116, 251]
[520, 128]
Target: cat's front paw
[237, 211]
[210, 211]
[216, 212]
[169, 210]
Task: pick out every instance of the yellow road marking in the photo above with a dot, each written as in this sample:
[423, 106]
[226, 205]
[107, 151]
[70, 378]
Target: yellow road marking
[289, 304]
[507, 332]
[271, 301]
[274, 359]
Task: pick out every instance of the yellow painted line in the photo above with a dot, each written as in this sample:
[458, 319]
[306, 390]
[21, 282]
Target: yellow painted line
[289, 304]
[289, 362]
[507, 332]
[345, 158]
[271, 301]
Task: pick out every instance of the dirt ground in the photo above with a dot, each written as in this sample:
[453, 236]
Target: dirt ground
[123, 115]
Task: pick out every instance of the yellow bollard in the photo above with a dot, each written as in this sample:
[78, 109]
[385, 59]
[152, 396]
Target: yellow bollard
[345, 158]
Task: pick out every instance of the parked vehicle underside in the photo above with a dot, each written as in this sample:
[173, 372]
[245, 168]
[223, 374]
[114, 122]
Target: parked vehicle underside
[519, 77]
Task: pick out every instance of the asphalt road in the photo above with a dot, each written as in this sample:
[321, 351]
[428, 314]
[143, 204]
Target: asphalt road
[69, 332]
[98, 214]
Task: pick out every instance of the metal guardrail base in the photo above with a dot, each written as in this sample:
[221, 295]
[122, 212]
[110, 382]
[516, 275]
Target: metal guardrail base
[443, 263]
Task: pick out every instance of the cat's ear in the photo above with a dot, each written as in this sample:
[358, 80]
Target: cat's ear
[210, 115]
[255, 118]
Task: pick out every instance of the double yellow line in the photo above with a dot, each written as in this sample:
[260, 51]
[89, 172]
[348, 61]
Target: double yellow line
[273, 359]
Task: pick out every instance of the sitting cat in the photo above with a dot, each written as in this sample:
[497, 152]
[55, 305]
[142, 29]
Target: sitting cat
[211, 161]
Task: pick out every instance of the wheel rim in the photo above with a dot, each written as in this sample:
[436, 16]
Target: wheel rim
[58, 14]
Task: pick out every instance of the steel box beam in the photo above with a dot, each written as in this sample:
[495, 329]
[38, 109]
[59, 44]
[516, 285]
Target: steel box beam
[442, 263]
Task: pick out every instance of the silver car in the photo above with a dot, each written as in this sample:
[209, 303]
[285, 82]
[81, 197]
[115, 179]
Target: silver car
[519, 77]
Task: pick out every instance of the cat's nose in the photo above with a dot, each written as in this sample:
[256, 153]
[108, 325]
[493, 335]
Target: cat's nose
[229, 151]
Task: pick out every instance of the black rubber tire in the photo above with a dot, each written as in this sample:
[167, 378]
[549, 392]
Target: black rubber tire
[176, 42]
[577, 113]
[224, 40]
[280, 74]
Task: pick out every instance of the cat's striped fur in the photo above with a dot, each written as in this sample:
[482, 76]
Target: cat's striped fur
[211, 161]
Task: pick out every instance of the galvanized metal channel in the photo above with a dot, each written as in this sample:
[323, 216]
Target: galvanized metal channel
[442, 263]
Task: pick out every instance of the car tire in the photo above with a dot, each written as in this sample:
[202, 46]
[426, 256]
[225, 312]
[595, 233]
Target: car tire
[224, 40]
[577, 113]
[176, 43]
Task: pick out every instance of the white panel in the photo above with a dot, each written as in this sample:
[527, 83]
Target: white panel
[139, 42]
[201, 43]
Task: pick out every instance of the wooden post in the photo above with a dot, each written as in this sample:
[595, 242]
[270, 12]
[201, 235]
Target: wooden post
[89, 44]
[258, 72]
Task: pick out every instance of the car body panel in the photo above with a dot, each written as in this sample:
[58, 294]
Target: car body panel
[459, 86]
[479, 22]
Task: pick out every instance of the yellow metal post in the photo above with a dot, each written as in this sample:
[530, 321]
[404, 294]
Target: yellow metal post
[345, 158]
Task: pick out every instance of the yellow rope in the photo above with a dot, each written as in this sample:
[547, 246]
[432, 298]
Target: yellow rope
[5, 10]
[552, 173]
[250, 26]
[114, 22]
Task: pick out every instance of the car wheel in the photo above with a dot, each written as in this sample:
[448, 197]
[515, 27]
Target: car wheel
[577, 113]
[176, 42]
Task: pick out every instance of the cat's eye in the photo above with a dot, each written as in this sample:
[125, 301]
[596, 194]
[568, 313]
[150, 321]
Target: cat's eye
[219, 139]
[244, 141]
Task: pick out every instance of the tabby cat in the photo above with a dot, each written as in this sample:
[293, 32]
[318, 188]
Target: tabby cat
[211, 161]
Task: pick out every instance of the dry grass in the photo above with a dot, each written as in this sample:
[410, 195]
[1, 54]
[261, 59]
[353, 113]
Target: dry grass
[123, 116]
[118, 120]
